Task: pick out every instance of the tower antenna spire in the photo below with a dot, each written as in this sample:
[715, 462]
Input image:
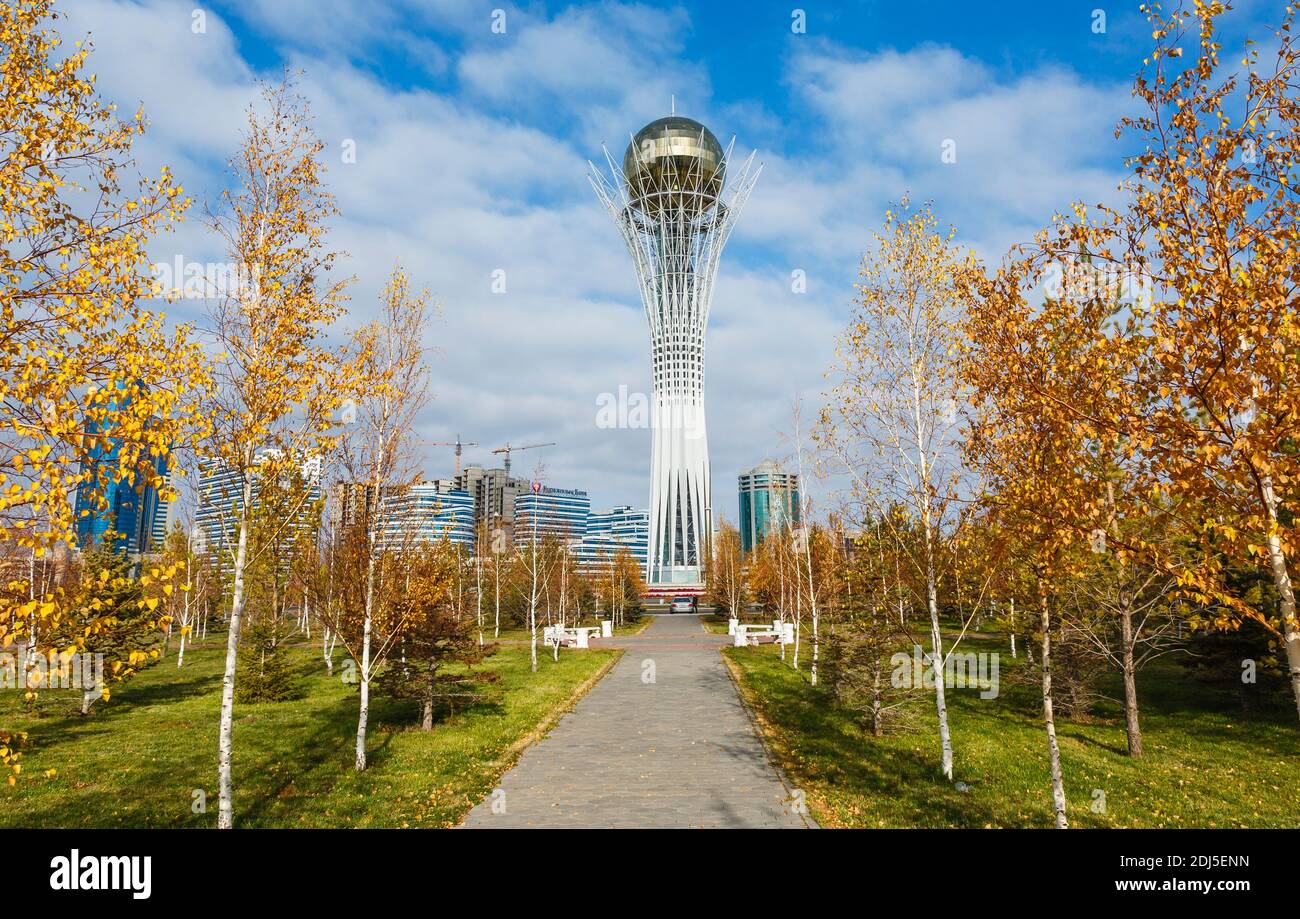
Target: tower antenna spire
[673, 99]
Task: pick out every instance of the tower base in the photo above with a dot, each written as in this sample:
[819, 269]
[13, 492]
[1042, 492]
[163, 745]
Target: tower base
[668, 591]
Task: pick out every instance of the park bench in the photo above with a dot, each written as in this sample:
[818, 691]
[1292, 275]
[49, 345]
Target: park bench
[574, 637]
[733, 623]
[748, 634]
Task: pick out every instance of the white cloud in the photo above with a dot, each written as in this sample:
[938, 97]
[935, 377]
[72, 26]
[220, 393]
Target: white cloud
[862, 96]
[457, 186]
[582, 56]
[1026, 146]
[601, 70]
[195, 87]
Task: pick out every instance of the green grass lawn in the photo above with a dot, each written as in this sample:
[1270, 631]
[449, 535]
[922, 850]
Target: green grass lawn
[1205, 765]
[139, 758]
[715, 623]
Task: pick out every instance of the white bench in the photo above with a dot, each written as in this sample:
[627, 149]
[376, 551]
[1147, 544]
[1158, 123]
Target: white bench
[746, 634]
[575, 637]
[733, 623]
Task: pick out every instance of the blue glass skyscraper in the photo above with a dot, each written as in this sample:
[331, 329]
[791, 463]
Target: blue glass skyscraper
[130, 509]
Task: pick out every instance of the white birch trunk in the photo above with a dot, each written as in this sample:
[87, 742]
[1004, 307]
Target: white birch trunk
[478, 595]
[1013, 627]
[562, 590]
[1053, 749]
[225, 740]
[188, 624]
[931, 575]
[798, 628]
[1285, 591]
[812, 603]
[936, 649]
[363, 716]
[532, 604]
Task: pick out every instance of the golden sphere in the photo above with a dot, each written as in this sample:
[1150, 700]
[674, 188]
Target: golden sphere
[674, 161]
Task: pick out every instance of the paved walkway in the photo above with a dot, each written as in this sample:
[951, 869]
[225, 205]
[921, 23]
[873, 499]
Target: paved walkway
[677, 751]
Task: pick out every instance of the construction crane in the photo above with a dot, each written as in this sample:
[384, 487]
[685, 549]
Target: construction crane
[508, 447]
[452, 443]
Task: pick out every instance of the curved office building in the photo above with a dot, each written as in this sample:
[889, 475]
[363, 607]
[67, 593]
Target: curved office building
[425, 513]
[543, 512]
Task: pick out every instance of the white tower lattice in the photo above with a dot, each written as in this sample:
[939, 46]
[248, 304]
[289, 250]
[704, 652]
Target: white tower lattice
[667, 203]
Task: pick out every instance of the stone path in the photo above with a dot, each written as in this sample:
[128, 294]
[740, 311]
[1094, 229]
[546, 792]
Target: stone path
[678, 751]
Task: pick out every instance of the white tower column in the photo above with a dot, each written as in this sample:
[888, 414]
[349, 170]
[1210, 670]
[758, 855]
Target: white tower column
[667, 203]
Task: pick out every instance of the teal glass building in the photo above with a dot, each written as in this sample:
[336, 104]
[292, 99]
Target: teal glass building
[769, 498]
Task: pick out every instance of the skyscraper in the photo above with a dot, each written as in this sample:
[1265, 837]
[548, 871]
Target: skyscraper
[424, 513]
[769, 499]
[164, 517]
[559, 512]
[351, 503]
[611, 530]
[220, 491]
[494, 492]
[667, 202]
[132, 508]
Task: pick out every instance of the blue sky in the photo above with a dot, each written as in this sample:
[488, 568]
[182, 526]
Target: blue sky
[472, 148]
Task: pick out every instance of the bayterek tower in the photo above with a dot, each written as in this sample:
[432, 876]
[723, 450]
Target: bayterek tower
[668, 202]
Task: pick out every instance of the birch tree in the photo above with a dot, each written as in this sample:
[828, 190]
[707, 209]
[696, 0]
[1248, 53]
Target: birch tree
[390, 365]
[1214, 224]
[1125, 614]
[562, 564]
[726, 575]
[277, 385]
[1204, 410]
[1032, 468]
[85, 369]
[1049, 713]
[804, 544]
[481, 548]
[186, 604]
[499, 554]
[533, 562]
[629, 582]
[859, 659]
[893, 415]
